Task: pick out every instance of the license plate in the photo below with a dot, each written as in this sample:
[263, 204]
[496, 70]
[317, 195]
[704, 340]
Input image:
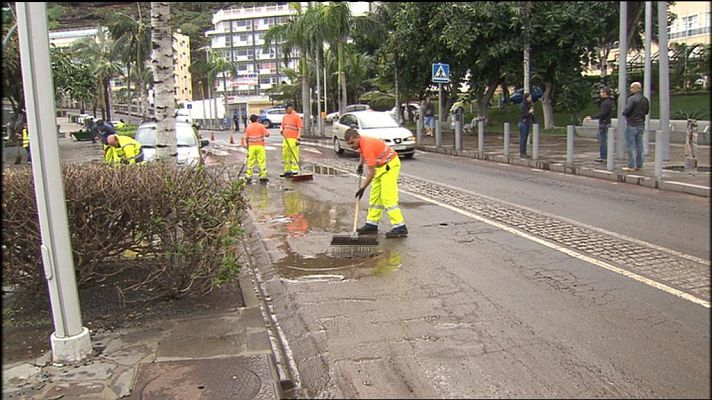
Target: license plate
[401, 147]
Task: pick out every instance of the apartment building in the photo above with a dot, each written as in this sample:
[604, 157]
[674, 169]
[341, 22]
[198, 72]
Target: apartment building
[238, 36]
[181, 67]
[692, 26]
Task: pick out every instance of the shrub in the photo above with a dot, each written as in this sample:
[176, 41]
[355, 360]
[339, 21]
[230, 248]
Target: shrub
[177, 228]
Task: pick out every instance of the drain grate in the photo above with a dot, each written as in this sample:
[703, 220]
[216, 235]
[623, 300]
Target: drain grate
[324, 170]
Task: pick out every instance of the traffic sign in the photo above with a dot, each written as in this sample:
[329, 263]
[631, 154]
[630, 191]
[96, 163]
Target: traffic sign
[441, 73]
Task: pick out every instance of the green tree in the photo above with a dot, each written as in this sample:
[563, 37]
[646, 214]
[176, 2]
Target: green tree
[97, 53]
[132, 41]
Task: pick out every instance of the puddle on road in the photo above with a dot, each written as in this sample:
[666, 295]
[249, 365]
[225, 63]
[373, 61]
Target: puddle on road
[305, 227]
[324, 267]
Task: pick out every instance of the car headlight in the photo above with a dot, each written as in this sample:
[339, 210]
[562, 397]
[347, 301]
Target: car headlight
[410, 139]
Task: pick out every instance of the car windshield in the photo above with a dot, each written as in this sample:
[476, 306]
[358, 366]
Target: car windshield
[185, 136]
[372, 120]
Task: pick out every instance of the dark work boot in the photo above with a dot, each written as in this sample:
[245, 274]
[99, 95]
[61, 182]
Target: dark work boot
[398, 232]
[367, 228]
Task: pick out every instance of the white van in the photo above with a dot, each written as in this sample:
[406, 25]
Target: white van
[183, 115]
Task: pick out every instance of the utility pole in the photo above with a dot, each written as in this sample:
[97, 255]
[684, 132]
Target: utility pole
[622, 77]
[664, 89]
[70, 341]
[648, 78]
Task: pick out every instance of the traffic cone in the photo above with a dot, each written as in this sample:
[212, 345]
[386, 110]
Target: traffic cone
[232, 139]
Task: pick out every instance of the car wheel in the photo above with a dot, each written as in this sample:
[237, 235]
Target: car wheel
[337, 146]
[267, 123]
[408, 156]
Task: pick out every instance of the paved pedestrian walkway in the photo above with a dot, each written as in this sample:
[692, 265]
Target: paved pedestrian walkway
[552, 156]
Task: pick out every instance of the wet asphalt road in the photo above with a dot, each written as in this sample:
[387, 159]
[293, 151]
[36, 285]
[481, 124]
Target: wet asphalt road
[512, 283]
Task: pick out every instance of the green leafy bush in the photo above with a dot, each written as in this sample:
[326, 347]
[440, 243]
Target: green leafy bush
[177, 228]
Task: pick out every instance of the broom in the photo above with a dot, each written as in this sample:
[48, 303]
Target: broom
[352, 245]
[299, 176]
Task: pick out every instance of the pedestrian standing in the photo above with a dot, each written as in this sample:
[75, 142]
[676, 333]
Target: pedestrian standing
[236, 120]
[604, 121]
[254, 140]
[526, 120]
[383, 169]
[291, 130]
[244, 116]
[429, 117]
[636, 108]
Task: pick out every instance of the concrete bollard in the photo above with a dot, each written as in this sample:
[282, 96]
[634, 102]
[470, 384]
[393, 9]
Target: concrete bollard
[659, 154]
[506, 139]
[691, 145]
[610, 148]
[535, 142]
[438, 134]
[458, 135]
[480, 137]
[646, 142]
[418, 131]
[569, 144]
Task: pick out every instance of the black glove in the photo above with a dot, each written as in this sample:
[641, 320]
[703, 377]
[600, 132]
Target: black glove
[297, 143]
[359, 169]
[359, 193]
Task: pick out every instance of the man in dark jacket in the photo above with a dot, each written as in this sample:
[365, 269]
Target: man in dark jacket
[526, 120]
[604, 121]
[636, 108]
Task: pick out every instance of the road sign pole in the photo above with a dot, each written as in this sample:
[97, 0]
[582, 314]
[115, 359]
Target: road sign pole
[439, 130]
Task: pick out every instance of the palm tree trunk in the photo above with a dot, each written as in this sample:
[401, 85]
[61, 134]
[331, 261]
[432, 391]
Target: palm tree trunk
[106, 84]
[527, 45]
[318, 96]
[128, 87]
[162, 62]
[225, 98]
[306, 103]
[342, 80]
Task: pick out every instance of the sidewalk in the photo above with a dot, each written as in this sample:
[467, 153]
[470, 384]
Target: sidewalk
[552, 157]
[220, 354]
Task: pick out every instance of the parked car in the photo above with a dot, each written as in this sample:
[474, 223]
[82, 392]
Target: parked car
[330, 118]
[377, 124]
[272, 117]
[183, 115]
[516, 98]
[187, 141]
[413, 108]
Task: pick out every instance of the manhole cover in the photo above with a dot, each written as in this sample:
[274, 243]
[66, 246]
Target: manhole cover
[225, 378]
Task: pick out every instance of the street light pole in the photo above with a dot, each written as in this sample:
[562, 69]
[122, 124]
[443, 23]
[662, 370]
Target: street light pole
[622, 77]
[70, 341]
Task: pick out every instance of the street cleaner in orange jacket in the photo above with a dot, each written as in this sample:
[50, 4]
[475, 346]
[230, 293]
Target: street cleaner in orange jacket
[254, 139]
[291, 129]
[383, 169]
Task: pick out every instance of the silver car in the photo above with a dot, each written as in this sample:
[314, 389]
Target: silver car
[376, 124]
[187, 142]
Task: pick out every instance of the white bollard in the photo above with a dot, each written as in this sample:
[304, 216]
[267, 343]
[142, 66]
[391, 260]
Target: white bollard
[506, 139]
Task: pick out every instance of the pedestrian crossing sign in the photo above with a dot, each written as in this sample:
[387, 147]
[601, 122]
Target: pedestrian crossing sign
[441, 73]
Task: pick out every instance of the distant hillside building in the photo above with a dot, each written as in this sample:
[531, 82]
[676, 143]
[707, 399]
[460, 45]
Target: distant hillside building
[181, 57]
[238, 36]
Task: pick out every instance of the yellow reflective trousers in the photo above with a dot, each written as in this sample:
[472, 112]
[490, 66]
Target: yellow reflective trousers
[256, 154]
[384, 194]
[290, 159]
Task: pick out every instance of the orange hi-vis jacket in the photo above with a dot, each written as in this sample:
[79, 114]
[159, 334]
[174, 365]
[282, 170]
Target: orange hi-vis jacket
[255, 134]
[375, 152]
[291, 124]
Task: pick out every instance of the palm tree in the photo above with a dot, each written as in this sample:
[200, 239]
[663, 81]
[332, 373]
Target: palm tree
[294, 38]
[97, 53]
[336, 21]
[132, 40]
[164, 86]
[221, 65]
